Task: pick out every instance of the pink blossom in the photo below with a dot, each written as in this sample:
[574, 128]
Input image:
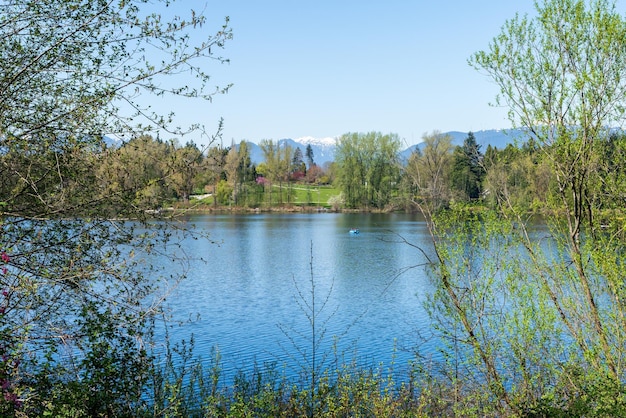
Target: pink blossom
[5, 257]
[12, 397]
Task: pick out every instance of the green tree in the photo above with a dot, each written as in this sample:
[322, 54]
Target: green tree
[70, 73]
[231, 169]
[239, 171]
[278, 166]
[309, 155]
[467, 168]
[351, 176]
[368, 168]
[214, 169]
[566, 92]
[612, 174]
[517, 178]
[183, 171]
[285, 167]
[137, 171]
[545, 332]
[271, 170]
[246, 173]
[297, 162]
[428, 170]
[246, 169]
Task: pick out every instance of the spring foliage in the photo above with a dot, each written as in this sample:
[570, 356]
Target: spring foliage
[77, 302]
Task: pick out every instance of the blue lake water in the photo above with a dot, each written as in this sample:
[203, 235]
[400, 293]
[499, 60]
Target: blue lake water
[251, 297]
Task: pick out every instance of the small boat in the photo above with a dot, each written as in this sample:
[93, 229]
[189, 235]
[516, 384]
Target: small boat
[354, 231]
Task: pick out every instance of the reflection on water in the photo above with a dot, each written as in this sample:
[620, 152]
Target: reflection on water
[257, 281]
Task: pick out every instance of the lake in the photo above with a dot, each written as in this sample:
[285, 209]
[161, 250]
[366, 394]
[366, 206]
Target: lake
[251, 296]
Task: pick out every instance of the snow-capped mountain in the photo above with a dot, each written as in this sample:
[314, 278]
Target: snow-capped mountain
[320, 142]
[324, 148]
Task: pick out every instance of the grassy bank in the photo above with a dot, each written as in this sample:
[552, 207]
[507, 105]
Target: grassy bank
[343, 391]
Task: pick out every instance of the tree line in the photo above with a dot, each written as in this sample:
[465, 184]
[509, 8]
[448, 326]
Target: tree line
[151, 173]
[367, 172]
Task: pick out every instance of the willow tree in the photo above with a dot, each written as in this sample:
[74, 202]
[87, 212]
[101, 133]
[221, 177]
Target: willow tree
[368, 168]
[74, 303]
[239, 172]
[547, 334]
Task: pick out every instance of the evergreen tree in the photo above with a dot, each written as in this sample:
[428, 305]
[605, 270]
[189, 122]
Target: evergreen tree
[309, 155]
[297, 162]
[467, 168]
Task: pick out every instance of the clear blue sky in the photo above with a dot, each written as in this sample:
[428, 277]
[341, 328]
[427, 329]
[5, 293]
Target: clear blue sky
[323, 68]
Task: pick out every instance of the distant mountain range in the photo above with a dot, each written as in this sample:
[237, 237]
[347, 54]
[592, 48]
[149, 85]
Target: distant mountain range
[324, 148]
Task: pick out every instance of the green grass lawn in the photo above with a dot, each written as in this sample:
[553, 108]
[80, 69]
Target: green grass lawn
[303, 195]
[313, 195]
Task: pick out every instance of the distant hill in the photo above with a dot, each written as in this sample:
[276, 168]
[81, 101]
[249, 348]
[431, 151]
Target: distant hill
[497, 138]
[324, 148]
[112, 142]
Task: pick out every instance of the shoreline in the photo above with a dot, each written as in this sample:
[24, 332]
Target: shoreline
[277, 209]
